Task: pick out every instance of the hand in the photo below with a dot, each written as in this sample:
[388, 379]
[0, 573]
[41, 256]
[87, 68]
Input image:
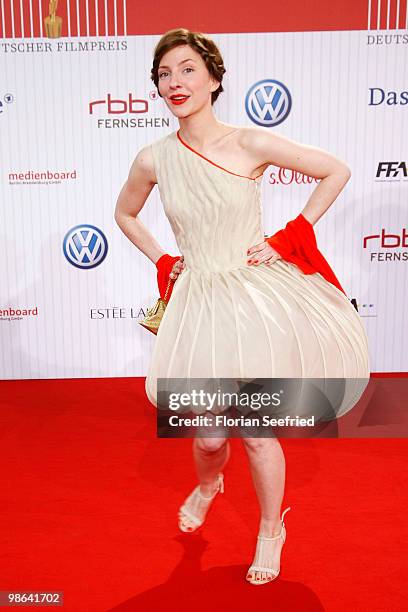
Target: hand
[177, 268]
[166, 265]
[262, 253]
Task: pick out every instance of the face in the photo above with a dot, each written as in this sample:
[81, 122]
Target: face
[184, 81]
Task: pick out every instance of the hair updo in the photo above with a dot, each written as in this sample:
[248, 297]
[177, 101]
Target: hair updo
[198, 41]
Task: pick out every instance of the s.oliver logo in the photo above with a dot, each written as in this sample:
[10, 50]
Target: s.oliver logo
[287, 177]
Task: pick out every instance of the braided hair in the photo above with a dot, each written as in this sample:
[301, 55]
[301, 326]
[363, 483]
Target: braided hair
[198, 41]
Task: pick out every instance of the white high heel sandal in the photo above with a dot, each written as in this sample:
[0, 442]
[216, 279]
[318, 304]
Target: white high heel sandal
[196, 506]
[262, 560]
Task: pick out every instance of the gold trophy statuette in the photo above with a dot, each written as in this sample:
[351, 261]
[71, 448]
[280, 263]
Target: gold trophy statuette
[53, 23]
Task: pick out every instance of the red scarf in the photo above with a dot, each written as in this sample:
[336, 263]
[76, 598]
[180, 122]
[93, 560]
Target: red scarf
[164, 266]
[297, 244]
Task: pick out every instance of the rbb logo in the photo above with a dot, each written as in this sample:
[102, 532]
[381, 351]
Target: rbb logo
[119, 107]
[391, 169]
[389, 241]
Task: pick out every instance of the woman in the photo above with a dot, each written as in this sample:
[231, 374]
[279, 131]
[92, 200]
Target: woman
[240, 307]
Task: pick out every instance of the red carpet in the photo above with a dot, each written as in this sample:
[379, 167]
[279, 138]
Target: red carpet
[89, 498]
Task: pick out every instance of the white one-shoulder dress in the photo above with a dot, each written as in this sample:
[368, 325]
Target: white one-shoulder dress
[226, 319]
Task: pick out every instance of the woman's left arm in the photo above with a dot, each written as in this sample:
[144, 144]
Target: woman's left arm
[277, 150]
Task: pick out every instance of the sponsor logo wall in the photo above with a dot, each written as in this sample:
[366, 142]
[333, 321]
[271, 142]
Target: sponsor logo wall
[75, 110]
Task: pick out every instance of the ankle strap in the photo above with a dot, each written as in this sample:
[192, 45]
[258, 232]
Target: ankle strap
[260, 537]
[220, 488]
[221, 482]
[283, 514]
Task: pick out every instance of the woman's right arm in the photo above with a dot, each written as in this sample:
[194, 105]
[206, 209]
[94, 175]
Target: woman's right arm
[133, 195]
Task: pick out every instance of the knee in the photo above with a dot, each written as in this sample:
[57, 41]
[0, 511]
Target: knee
[257, 445]
[210, 445]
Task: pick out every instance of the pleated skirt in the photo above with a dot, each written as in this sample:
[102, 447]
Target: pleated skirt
[259, 322]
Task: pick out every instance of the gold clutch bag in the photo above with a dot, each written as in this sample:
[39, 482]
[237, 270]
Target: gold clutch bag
[155, 314]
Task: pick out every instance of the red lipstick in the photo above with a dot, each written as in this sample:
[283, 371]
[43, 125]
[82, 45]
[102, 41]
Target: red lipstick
[178, 99]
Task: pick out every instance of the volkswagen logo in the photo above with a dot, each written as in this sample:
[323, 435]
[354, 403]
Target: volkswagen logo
[85, 246]
[268, 103]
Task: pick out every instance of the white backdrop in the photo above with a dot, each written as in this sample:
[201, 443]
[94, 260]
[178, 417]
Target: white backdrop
[60, 320]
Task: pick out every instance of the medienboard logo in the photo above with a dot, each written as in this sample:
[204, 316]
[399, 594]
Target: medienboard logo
[85, 246]
[268, 102]
[44, 177]
[11, 313]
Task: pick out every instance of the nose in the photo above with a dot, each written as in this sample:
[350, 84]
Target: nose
[174, 81]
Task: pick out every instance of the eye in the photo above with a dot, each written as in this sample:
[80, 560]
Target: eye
[188, 68]
[161, 74]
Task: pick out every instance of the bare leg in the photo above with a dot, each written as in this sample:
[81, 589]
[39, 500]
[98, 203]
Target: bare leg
[210, 456]
[267, 464]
